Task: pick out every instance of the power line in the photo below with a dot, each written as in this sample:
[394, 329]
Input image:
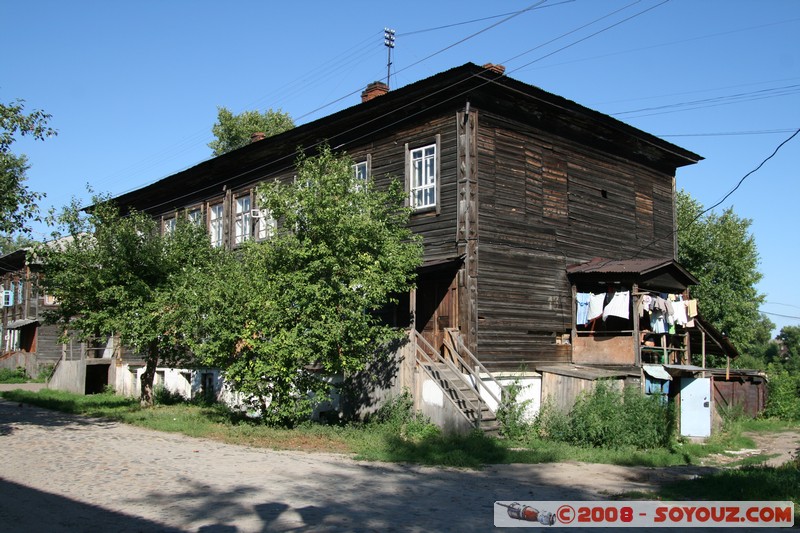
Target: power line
[588, 36]
[792, 136]
[696, 218]
[714, 101]
[778, 314]
[511, 16]
[446, 26]
[779, 303]
[671, 43]
[385, 126]
[724, 133]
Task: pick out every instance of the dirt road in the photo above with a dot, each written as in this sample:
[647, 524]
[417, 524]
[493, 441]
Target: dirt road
[63, 473]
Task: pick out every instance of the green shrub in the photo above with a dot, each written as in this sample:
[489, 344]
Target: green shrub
[164, 396]
[17, 375]
[596, 418]
[551, 423]
[511, 413]
[783, 400]
[397, 417]
[608, 418]
[647, 422]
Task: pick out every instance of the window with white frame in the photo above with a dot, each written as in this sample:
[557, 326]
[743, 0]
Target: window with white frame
[169, 225]
[215, 224]
[195, 216]
[266, 226]
[422, 187]
[361, 170]
[242, 220]
[8, 296]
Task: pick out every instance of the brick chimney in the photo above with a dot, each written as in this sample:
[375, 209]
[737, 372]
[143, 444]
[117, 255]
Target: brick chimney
[373, 90]
[257, 136]
[497, 69]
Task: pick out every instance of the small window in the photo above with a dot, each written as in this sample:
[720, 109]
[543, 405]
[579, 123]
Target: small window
[49, 299]
[8, 296]
[422, 187]
[242, 222]
[169, 226]
[361, 171]
[215, 224]
[266, 225]
[195, 216]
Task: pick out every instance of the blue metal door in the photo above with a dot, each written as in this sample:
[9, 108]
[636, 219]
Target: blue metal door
[696, 407]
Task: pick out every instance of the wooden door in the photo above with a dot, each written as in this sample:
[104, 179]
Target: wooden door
[437, 306]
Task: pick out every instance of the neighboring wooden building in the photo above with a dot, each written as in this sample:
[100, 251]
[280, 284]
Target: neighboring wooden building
[510, 185]
[26, 341]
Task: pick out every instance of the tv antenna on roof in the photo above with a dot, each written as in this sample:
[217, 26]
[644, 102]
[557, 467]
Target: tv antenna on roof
[388, 41]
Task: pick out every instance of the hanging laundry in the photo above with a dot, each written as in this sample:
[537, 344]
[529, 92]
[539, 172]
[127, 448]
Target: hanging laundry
[619, 305]
[691, 308]
[658, 323]
[596, 306]
[644, 304]
[583, 299]
[679, 309]
[659, 304]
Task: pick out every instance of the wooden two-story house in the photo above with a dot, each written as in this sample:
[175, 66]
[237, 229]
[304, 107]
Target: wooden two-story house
[26, 341]
[511, 186]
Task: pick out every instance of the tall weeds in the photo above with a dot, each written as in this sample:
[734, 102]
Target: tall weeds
[609, 418]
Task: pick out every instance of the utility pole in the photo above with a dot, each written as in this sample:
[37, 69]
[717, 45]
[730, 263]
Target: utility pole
[388, 41]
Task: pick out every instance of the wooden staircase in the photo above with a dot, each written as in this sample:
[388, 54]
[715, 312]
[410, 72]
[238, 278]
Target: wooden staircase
[462, 379]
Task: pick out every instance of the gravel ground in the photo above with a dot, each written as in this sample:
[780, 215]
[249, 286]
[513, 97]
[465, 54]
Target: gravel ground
[62, 472]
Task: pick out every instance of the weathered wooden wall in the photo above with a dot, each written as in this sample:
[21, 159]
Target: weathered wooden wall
[563, 391]
[604, 350]
[745, 394]
[545, 202]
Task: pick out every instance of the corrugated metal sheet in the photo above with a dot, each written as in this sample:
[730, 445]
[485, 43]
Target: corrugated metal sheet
[657, 372]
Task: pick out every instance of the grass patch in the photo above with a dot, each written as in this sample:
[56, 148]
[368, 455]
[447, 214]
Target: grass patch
[393, 434]
[749, 483]
[100, 405]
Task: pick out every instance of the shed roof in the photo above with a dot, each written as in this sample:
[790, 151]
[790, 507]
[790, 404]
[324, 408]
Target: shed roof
[13, 261]
[658, 274]
[588, 372]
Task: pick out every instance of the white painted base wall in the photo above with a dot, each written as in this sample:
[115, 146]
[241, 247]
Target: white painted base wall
[530, 390]
[444, 414]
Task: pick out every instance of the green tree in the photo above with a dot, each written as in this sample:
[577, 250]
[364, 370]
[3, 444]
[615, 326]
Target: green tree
[720, 251]
[114, 274]
[234, 131]
[303, 304]
[11, 243]
[18, 204]
[788, 353]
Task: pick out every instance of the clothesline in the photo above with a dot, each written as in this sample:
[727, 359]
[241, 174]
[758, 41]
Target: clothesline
[665, 310]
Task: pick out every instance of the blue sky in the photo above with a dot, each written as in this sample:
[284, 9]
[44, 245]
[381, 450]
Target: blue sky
[133, 86]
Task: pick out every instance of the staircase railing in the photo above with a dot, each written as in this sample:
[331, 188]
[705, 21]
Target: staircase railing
[420, 345]
[455, 344]
[465, 365]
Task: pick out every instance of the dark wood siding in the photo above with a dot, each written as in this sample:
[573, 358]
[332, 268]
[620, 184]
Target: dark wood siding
[545, 202]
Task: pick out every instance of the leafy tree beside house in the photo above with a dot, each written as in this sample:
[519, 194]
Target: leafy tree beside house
[720, 251]
[18, 204]
[114, 274]
[302, 304]
[234, 131]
